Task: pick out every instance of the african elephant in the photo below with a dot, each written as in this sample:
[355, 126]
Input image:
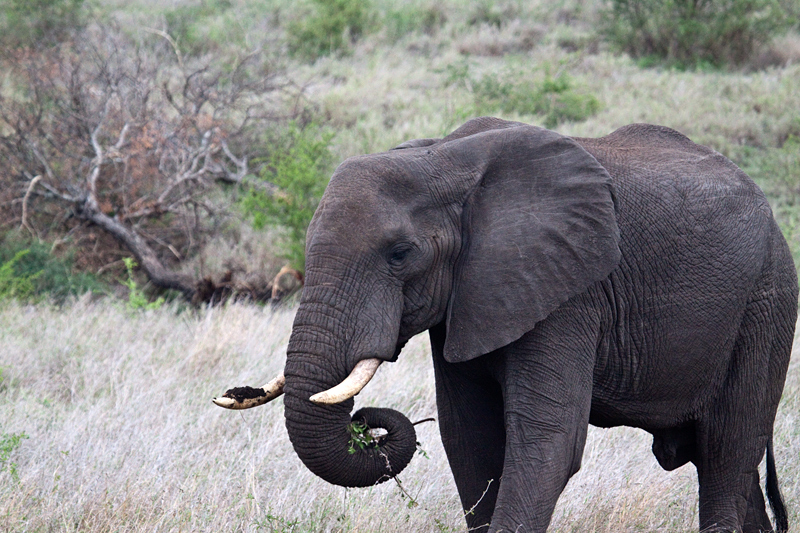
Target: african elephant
[636, 279]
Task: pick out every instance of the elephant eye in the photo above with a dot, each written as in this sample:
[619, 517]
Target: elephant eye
[398, 254]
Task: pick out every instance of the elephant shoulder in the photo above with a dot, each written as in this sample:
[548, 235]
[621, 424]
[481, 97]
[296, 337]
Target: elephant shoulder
[652, 137]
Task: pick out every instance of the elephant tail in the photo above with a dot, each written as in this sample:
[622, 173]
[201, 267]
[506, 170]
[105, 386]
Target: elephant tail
[774, 493]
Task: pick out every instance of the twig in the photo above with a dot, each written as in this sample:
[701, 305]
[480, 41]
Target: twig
[43, 161]
[24, 223]
[412, 500]
[472, 509]
[122, 135]
[109, 266]
[171, 41]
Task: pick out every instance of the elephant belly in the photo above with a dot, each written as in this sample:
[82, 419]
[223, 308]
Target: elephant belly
[664, 353]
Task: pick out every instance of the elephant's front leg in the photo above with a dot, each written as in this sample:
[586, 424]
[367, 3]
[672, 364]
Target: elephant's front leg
[470, 405]
[547, 386]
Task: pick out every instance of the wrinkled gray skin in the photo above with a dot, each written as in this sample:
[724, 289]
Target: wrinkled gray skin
[637, 279]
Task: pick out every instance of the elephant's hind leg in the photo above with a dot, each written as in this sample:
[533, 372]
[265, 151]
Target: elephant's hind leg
[756, 520]
[736, 426]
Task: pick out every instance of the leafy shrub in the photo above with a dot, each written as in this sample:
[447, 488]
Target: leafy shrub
[692, 33]
[137, 299]
[29, 23]
[300, 169]
[31, 271]
[198, 28]
[12, 284]
[331, 27]
[555, 99]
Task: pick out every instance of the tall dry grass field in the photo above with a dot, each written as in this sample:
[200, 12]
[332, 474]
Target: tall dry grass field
[122, 436]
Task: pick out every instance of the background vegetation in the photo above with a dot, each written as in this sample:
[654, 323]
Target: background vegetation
[157, 131]
[194, 138]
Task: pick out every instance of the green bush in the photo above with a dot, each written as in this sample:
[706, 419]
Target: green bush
[555, 99]
[332, 27]
[693, 33]
[49, 275]
[31, 23]
[299, 168]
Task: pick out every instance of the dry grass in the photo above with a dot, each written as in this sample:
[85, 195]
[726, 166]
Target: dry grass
[123, 437]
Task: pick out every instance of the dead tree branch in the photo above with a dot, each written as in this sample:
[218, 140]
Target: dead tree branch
[116, 133]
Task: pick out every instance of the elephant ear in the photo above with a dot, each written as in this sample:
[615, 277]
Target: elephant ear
[538, 227]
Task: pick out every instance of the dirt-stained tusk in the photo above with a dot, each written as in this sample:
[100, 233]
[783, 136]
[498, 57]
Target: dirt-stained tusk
[352, 384]
[247, 397]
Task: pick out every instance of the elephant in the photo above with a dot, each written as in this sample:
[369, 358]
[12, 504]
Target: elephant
[636, 279]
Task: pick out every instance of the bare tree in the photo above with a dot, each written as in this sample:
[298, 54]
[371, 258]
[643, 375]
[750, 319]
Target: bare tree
[110, 133]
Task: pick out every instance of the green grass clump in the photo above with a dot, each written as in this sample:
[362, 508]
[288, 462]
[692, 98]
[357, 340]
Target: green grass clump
[331, 28]
[555, 99]
[490, 14]
[692, 33]
[361, 437]
[8, 443]
[299, 168]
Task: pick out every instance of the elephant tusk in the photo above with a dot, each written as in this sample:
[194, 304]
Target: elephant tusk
[352, 384]
[247, 397]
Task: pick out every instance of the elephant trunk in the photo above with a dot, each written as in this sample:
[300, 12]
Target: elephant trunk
[335, 446]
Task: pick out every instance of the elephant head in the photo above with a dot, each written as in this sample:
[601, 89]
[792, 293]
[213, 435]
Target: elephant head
[485, 231]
